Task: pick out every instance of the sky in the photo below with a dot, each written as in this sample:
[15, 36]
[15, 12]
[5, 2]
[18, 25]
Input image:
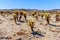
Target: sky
[30, 4]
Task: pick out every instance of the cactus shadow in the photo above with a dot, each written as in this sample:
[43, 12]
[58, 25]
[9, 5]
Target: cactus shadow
[22, 21]
[54, 25]
[36, 33]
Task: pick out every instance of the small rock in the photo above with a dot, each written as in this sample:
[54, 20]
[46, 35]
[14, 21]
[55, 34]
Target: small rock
[19, 39]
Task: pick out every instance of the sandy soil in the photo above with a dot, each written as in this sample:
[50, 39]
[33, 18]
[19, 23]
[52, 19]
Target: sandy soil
[11, 31]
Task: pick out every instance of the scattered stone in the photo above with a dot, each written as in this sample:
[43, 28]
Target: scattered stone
[19, 39]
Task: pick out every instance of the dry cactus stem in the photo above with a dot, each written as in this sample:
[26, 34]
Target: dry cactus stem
[31, 24]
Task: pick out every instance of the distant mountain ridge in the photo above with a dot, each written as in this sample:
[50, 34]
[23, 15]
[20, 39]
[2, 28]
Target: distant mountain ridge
[32, 9]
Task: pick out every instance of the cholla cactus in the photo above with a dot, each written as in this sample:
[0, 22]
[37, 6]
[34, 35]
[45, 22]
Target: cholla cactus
[19, 16]
[41, 14]
[36, 16]
[34, 13]
[47, 16]
[57, 17]
[23, 13]
[1, 12]
[31, 23]
[15, 16]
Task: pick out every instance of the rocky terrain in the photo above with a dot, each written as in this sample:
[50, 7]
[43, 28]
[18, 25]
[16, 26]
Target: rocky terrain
[21, 31]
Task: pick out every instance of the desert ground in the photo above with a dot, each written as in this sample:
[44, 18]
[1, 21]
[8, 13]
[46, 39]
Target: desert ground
[9, 30]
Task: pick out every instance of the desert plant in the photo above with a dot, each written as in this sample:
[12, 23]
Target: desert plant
[31, 23]
[1, 12]
[34, 13]
[57, 17]
[47, 17]
[23, 13]
[41, 14]
[36, 16]
[15, 16]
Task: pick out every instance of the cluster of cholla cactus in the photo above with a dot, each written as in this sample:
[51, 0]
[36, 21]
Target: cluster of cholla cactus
[46, 15]
[34, 14]
[17, 15]
[3, 13]
[31, 23]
